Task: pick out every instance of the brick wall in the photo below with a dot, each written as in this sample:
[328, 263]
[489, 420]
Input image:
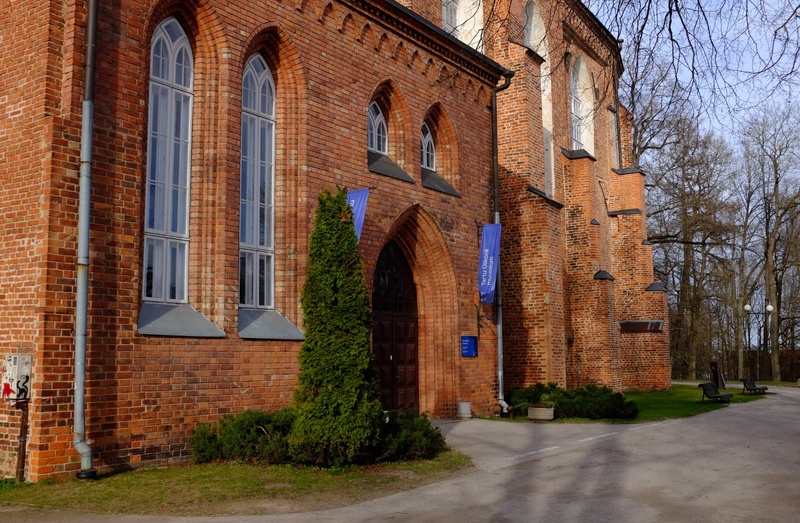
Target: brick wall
[146, 394]
[561, 324]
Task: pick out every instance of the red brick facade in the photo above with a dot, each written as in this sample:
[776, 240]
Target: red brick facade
[145, 394]
[577, 272]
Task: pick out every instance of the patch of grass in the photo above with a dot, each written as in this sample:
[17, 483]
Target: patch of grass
[680, 402]
[769, 383]
[233, 489]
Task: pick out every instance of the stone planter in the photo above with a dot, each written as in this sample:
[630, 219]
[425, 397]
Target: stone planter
[464, 411]
[541, 413]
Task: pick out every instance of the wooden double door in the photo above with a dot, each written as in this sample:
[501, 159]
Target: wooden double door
[394, 330]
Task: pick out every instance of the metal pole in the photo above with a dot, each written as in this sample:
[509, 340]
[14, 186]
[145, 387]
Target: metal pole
[749, 342]
[498, 290]
[766, 340]
[82, 277]
[22, 405]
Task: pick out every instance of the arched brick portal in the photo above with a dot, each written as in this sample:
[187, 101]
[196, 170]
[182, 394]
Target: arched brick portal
[425, 248]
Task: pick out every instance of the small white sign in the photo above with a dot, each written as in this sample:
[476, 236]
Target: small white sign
[16, 382]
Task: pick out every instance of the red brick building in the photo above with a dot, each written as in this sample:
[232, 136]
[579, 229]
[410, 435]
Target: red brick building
[215, 125]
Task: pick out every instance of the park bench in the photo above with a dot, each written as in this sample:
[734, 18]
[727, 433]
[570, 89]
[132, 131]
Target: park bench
[711, 392]
[751, 387]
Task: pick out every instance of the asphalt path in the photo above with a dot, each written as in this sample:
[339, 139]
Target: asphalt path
[737, 464]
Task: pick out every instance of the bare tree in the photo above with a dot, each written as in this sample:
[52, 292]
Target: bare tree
[745, 265]
[730, 54]
[771, 152]
[686, 209]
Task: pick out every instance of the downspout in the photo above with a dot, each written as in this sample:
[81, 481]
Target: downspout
[84, 210]
[508, 75]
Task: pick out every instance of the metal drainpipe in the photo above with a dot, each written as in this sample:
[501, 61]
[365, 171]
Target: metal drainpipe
[84, 211]
[508, 75]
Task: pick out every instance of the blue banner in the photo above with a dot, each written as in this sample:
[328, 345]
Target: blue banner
[489, 262]
[358, 201]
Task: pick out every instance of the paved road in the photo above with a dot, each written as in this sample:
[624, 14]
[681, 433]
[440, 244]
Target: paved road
[741, 463]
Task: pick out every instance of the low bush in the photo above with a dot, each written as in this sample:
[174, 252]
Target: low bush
[593, 402]
[260, 437]
[248, 436]
[205, 444]
[590, 401]
[537, 394]
[407, 436]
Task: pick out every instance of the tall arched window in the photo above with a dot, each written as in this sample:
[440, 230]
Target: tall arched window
[166, 238]
[427, 148]
[377, 135]
[576, 109]
[257, 187]
[582, 100]
[536, 39]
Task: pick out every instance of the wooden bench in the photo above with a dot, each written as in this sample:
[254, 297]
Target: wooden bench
[751, 387]
[711, 392]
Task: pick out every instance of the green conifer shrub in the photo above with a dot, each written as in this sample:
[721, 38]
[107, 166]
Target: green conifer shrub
[249, 436]
[407, 436]
[338, 398]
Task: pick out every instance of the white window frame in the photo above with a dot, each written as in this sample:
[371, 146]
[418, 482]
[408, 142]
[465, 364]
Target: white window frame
[464, 20]
[427, 148]
[613, 131]
[536, 40]
[576, 108]
[377, 131]
[167, 192]
[257, 188]
[450, 16]
[582, 106]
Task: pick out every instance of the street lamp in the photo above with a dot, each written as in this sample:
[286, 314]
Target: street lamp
[766, 314]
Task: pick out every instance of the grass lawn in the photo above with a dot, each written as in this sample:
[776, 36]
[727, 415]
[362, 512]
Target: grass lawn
[238, 489]
[681, 402]
[220, 489]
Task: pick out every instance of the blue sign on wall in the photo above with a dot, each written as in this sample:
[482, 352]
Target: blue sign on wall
[469, 346]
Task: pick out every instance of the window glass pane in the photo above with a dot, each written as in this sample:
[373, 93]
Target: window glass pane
[246, 278]
[157, 158]
[249, 92]
[265, 280]
[262, 215]
[154, 268]
[159, 66]
[380, 137]
[258, 65]
[173, 29]
[265, 184]
[427, 148]
[177, 271]
[266, 98]
[247, 182]
[183, 68]
[449, 15]
[262, 281]
[371, 132]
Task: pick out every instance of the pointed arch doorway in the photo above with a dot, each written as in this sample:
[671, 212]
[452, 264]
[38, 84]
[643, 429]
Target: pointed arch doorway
[394, 329]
